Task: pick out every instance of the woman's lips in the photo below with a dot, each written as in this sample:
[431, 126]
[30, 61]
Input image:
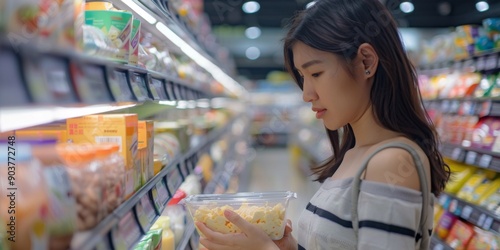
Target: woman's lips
[320, 113]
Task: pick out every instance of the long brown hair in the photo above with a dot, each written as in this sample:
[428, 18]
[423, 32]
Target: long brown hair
[340, 27]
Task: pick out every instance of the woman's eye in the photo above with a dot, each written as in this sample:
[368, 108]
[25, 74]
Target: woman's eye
[316, 74]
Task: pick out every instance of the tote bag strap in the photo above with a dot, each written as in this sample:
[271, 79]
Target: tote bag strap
[423, 188]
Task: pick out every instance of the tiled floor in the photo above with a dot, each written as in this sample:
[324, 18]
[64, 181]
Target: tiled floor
[271, 171]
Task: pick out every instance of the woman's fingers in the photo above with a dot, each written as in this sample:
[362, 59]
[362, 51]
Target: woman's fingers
[210, 245]
[216, 237]
[241, 223]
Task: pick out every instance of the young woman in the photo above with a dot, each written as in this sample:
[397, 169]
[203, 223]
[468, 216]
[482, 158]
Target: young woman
[348, 58]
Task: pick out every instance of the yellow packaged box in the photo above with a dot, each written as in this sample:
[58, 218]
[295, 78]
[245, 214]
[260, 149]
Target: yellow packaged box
[56, 131]
[146, 141]
[120, 129]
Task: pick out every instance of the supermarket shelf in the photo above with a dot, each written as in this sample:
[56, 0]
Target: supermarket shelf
[466, 106]
[186, 237]
[438, 244]
[486, 60]
[474, 214]
[472, 156]
[109, 227]
[314, 153]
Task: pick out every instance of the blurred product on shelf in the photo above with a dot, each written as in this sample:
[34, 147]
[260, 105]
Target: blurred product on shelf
[174, 133]
[119, 129]
[167, 241]
[113, 166]
[177, 215]
[445, 224]
[99, 5]
[146, 149]
[60, 22]
[460, 235]
[476, 185]
[460, 174]
[117, 26]
[29, 203]
[483, 240]
[205, 165]
[134, 42]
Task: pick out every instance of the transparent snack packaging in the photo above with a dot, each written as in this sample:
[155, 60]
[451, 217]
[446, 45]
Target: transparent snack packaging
[266, 210]
[113, 166]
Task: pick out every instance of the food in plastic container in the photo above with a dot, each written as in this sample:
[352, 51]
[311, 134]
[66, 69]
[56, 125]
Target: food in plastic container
[87, 177]
[117, 25]
[266, 210]
[113, 166]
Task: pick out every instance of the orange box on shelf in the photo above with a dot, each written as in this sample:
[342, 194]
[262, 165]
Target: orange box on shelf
[146, 141]
[120, 129]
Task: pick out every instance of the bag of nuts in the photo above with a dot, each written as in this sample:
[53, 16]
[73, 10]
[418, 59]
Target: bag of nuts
[113, 170]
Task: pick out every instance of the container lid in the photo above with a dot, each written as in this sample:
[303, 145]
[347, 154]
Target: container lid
[76, 153]
[246, 196]
[104, 150]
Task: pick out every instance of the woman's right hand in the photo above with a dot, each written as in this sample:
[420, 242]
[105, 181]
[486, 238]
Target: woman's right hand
[287, 242]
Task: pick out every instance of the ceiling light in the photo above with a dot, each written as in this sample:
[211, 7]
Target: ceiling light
[253, 53]
[407, 7]
[482, 6]
[253, 32]
[311, 4]
[251, 7]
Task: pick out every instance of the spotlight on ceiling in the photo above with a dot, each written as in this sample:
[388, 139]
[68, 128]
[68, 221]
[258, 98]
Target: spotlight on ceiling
[253, 32]
[482, 6]
[407, 7]
[252, 53]
[251, 7]
[444, 8]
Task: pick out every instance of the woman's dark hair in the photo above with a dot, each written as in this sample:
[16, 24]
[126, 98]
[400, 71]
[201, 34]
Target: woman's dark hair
[340, 27]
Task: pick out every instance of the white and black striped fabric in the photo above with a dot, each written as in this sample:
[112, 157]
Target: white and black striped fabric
[389, 217]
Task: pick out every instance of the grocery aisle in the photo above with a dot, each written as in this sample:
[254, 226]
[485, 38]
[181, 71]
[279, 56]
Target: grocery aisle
[272, 171]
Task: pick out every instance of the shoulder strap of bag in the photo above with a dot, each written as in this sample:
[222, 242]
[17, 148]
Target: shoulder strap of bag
[423, 187]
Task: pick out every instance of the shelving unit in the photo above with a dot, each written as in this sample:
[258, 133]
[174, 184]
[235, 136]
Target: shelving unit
[437, 244]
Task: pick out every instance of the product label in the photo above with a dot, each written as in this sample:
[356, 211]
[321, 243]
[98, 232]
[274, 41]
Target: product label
[127, 233]
[174, 180]
[91, 83]
[145, 212]
[160, 195]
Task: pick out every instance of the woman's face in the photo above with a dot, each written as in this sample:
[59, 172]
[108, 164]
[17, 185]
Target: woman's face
[337, 97]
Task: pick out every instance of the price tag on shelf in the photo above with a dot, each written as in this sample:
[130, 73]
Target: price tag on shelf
[485, 161]
[138, 83]
[90, 83]
[469, 66]
[157, 85]
[12, 91]
[480, 63]
[160, 195]
[145, 213]
[126, 233]
[481, 220]
[57, 79]
[487, 223]
[470, 158]
[174, 180]
[177, 92]
[455, 155]
[466, 212]
[491, 62]
[170, 91]
[118, 84]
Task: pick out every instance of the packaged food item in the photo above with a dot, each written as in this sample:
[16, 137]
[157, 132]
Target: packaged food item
[120, 129]
[460, 235]
[475, 185]
[483, 240]
[492, 28]
[174, 128]
[98, 5]
[438, 212]
[459, 175]
[445, 224]
[177, 215]
[113, 166]
[167, 241]
[134, 42]
[86, 175]
[148, 242]
[465, 40]
[156, 238]
[253, 207]
[96, 43]
[26, 208]
[20, 18]
[117, 25]
[62, 216]
[61, 22]
[143, 245]
[55, 130]
[146, 141]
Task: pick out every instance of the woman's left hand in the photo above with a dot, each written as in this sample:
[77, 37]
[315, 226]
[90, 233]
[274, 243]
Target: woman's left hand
[251, 237]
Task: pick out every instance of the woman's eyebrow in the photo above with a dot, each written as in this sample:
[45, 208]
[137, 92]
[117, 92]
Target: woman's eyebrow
[310, 63]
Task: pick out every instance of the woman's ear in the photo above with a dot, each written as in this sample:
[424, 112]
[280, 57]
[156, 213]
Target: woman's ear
[369, 59]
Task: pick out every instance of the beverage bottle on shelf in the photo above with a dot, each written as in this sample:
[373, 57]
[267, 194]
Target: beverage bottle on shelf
[168, 241]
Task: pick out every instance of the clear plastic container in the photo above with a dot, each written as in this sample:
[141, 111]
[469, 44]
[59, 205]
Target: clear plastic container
[113, 166]
[266, 210]
[86, 174]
